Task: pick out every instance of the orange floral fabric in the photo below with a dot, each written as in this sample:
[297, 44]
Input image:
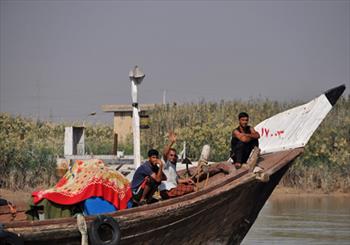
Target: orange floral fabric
[85, 179]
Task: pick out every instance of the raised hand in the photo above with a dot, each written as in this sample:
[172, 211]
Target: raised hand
[172, 137]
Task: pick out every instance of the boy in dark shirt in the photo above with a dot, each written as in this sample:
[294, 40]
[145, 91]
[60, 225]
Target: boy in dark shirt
[147, 178]
[244, 138]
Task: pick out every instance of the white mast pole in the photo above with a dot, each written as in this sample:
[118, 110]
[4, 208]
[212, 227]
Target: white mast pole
[136, 76]
[164, 97]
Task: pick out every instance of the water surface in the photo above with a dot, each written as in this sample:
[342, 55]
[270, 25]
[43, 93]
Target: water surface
[303, 219]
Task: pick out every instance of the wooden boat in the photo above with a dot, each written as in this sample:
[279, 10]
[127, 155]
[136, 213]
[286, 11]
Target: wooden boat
[220, 213]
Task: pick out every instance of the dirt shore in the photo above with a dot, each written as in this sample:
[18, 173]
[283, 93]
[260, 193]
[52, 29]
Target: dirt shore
[19, 198]
[281, 191]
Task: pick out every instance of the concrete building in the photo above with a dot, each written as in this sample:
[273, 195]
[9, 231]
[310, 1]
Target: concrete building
[122, 120]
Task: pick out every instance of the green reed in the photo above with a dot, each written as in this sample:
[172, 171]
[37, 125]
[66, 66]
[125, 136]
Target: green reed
[28, 148]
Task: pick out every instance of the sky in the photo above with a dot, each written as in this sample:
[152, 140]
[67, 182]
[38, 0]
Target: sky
[62, 60]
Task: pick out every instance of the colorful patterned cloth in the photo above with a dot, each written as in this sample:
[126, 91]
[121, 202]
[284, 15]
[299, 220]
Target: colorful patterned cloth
[87, 179]
[180, 190]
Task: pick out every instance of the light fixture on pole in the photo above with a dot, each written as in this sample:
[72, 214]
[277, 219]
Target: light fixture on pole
[91, 114]
[136, 76]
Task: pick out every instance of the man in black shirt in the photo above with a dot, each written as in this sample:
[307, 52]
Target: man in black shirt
[244, 138]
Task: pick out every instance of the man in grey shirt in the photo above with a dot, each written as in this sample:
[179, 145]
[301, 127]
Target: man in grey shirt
[174, 185]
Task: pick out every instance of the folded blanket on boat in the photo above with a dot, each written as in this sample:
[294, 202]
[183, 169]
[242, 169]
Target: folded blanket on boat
[96, 205]
[86, 179]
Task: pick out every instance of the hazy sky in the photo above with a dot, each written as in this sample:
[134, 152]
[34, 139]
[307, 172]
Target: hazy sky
[64, 59]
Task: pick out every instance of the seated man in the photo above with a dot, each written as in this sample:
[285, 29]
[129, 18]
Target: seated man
[147, 178]
[244, 138]
[174, 185]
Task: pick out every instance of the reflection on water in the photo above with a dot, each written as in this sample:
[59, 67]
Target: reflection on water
[302, 220]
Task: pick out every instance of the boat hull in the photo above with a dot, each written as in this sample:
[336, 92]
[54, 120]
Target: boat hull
[220, 214]
[219, 219]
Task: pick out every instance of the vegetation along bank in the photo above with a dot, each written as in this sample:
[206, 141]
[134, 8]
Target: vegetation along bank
[28, 148]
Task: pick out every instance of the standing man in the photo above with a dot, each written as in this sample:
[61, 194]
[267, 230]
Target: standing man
[147, 178]
[174, 185]
[244, 138]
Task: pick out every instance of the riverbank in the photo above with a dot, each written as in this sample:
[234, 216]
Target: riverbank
[282, 191]
[19, 198]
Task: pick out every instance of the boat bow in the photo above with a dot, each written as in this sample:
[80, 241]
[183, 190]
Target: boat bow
[293, 128]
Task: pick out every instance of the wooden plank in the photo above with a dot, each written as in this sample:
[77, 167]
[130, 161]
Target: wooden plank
[126, 108]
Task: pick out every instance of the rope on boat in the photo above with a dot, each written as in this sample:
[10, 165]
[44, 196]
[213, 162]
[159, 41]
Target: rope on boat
[253, 159]
[83, 229]
[202, 167]
[260, 175]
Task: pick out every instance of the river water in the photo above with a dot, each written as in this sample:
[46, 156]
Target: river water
[303, 219]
